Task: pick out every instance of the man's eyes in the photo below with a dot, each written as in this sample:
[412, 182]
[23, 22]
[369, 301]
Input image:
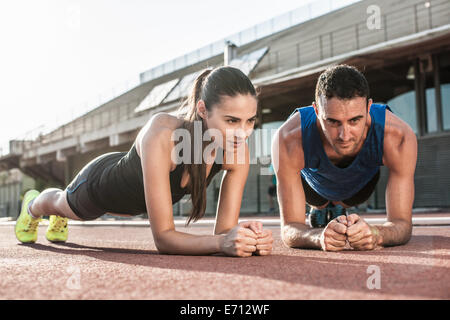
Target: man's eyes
[335, 122]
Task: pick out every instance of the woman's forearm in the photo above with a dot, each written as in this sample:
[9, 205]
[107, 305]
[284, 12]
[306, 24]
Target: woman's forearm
[174, 242]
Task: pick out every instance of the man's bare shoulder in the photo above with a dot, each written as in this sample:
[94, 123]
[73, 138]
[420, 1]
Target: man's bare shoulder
[290, 138]
[291, 131]
[399, 138]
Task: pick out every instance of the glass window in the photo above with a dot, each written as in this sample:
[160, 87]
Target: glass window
[445, 94]
[155, 97]
[248, 62]
[431, 110]
[404, 106]
[183, 87]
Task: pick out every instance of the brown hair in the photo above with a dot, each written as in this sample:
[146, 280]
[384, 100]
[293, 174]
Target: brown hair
[343, 82]
[210, 86]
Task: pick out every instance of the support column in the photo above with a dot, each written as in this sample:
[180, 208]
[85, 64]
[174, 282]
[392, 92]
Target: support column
[419, 88]
[67, 171]
[437, 93]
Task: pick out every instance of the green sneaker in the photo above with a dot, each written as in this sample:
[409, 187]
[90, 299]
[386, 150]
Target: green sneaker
[26, 226]
[57, 230]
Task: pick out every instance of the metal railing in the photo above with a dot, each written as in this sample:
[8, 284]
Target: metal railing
[304, 13]
[413, 19]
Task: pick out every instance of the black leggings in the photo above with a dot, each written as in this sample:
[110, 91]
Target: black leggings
[316, 200]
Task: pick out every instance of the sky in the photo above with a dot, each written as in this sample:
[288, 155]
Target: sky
[59, 57]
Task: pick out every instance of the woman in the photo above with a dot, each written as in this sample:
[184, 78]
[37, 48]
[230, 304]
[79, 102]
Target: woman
[149, 178]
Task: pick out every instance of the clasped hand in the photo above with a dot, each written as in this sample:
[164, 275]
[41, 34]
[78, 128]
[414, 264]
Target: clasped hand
[353, 231]
[247, 239]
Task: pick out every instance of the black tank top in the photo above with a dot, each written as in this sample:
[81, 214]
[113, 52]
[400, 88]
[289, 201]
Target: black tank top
[116, 184]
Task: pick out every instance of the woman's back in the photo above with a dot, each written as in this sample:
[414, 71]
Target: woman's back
[116, 184]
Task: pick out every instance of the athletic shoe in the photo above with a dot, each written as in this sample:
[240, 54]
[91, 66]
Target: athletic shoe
[57, 230]
[26, 226]
[318, 217]
[336, 211]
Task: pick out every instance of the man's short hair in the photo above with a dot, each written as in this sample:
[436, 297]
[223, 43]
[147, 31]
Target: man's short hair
[342, 82]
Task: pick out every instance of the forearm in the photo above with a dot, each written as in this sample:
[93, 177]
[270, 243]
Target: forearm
[298, 235]
[392, 233]
[174, 242]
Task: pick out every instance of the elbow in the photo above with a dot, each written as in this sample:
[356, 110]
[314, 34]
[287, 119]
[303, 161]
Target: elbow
[162, 244]
[407, 231]
[161, 247]
[287, 236]
[399, 233]
[408, 234]
[162, 250]
[288, 242]
[401, 241]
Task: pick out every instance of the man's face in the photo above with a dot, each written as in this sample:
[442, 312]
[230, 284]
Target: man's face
[343, 123]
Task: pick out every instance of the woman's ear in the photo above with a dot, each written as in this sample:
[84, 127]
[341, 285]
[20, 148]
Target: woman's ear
[201, 109]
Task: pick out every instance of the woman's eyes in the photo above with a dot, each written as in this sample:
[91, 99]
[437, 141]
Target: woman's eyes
[235, 121]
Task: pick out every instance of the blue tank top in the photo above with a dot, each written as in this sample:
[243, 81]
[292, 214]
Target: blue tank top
[331, 182]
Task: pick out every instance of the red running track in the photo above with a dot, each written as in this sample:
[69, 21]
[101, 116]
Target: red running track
[122, 263]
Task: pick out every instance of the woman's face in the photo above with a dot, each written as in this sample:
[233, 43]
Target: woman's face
[233, 119]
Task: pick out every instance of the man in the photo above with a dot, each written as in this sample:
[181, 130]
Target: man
[328, 155]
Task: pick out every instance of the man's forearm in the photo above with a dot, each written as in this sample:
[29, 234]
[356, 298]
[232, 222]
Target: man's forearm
[298, 235]
[392, 233]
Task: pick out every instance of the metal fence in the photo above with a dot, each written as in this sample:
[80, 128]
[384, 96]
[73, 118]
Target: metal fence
[307, 12]
[412, 19]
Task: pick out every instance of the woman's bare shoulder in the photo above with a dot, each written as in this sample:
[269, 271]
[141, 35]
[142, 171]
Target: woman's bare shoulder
[159, 126]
